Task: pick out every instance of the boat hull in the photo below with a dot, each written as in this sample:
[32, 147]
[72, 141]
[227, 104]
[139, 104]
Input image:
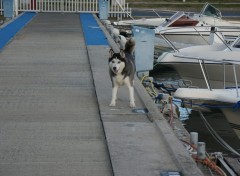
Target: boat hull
[198, 35]
[191, 39]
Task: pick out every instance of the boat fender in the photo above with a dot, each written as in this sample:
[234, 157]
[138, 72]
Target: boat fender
[168, 108]
[106, 22]
[114, 33]
[121, 41]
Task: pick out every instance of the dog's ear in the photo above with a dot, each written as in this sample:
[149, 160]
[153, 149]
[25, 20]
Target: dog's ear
[111, 52]
[122, 54]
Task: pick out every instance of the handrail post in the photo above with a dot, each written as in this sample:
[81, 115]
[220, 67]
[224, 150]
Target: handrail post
[224, 75]
[204, 71]
[235, 77]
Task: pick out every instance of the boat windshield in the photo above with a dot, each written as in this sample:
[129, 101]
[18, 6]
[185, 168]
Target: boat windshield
[210, 10]
[237, 43]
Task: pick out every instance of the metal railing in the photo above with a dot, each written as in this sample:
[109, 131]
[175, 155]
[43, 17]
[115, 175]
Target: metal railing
[58, 5]
[117, 8]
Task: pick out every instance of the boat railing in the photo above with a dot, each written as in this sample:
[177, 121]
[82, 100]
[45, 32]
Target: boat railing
[169, 42]
[205, 73]
[163, 33]
[200, 31]
[155, 12]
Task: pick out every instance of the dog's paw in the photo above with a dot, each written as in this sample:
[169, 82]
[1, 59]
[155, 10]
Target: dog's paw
[132, 105]
[112, 104]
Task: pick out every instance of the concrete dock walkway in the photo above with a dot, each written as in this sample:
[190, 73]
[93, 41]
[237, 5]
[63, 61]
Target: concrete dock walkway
[54, 113]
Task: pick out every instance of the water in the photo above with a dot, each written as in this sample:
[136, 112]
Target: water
[149, 13]
[218, 121]
[193, 121]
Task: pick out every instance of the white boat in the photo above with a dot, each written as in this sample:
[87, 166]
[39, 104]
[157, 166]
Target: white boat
[191, 36]
[212, 16]
[186, 62]
[179, 18]
[216, 77]
[193, 23]
[209, 15]
[227, 100]
[198, 34]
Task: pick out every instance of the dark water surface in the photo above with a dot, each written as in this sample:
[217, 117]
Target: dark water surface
[219, 123]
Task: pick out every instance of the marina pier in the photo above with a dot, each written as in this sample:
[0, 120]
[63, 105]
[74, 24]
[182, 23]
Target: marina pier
[55, 117]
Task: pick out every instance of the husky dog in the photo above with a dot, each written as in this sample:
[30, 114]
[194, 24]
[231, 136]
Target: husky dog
[122, 71]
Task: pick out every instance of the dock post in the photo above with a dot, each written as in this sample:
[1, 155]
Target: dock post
[103, 9]
[8, 7]
[194, 141]
[194, 138]
[201, 148]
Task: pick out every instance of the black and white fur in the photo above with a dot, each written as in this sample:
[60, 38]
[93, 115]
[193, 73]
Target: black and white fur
[122, 71]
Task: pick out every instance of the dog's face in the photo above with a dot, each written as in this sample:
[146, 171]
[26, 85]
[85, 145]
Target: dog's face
[116, 62]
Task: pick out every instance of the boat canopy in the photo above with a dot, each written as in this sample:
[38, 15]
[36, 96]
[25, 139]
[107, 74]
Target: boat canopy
[217, 95]
[226, 56]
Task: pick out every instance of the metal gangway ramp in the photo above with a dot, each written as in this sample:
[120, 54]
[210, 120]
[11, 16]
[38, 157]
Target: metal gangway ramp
[49, 117]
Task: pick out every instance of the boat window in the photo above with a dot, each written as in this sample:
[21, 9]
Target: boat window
[210, 10]
[172, 19]
[237, 43]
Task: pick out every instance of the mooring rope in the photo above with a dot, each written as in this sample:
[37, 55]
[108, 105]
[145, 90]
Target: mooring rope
[217, 137]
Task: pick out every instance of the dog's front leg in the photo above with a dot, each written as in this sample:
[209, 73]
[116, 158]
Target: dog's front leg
[131, 95]
[114, 96]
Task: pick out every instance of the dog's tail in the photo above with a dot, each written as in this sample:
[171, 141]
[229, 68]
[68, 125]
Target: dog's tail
[129, 46]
